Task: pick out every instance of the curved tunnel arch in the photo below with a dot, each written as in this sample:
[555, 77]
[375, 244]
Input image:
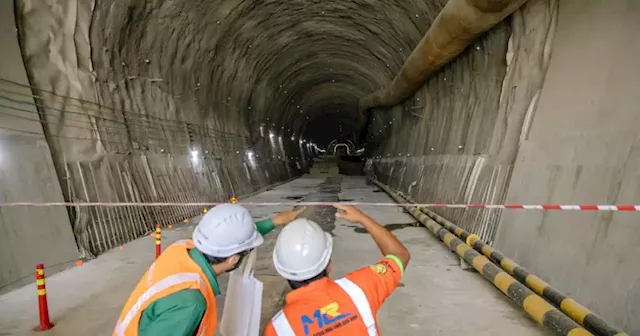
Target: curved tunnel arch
[249, 63]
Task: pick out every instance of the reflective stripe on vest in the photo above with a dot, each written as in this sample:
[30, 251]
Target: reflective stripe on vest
[362, 304]
[161, 285]
[283, 327]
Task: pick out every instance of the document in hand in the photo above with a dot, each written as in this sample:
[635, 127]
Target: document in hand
[243, 304]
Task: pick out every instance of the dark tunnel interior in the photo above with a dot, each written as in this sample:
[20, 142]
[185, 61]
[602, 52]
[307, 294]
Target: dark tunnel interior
[296, 69]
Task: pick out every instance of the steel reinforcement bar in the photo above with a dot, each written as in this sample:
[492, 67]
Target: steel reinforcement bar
[539, 309]
[570, 307]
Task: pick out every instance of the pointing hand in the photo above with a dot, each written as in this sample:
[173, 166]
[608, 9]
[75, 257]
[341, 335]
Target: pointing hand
[351, 213]
[285, 217]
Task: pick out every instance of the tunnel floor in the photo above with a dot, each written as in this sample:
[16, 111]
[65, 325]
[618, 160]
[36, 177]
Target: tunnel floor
[435, 297]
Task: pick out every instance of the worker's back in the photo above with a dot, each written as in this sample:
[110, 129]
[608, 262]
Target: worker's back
[347, 306]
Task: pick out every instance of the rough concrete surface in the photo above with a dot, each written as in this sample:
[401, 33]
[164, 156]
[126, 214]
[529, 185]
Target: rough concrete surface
[107, 146]
[27, 173]
[584, 148]
[467, 120]
[434, 297]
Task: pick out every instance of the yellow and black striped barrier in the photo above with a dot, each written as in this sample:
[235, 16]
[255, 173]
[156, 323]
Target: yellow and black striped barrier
[539, 309]
[570, 307]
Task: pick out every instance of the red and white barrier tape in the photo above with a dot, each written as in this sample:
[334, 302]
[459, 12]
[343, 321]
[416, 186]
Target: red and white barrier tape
[426, 205]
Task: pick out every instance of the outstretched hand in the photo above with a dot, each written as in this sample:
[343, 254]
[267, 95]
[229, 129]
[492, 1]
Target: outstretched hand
[351, 213]
[285, 217]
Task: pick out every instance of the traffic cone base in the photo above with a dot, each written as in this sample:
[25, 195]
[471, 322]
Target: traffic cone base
[43, 327]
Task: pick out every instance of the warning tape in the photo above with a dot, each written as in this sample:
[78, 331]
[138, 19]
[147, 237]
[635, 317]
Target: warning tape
[425, 205]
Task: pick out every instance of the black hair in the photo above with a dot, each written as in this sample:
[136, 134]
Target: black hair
[302, 283]
[216, 260]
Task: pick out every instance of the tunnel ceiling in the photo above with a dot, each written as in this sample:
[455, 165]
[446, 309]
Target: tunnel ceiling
[295, 67]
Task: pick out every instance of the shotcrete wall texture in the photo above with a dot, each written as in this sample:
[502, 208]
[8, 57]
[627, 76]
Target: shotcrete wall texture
[467, 119]
[197, 100]
[565, 132]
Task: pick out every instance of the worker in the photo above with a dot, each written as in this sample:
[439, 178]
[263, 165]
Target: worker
[321, 306]
[176, 296]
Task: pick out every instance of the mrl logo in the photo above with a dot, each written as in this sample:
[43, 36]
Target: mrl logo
[324, 317]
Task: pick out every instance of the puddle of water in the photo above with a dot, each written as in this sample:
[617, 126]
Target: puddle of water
[326, 191]
[293, 198]
[390, 227]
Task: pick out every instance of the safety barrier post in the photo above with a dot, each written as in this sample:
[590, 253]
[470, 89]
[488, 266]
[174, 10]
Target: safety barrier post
[43, 306]
[158, 241]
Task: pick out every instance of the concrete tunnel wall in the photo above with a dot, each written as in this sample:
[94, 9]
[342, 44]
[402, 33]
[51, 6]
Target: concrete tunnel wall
[565, 131]
[27, 236]
[584, 148]
[218, 76]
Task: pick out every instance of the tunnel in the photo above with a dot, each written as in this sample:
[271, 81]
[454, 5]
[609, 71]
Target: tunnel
[448, 101]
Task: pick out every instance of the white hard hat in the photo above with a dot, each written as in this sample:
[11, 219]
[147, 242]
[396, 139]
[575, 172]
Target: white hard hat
[225, 230]
[302, 251]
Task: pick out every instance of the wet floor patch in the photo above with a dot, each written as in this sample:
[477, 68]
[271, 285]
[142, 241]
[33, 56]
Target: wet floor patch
[326, 191]
[293, 198]
[390, 227]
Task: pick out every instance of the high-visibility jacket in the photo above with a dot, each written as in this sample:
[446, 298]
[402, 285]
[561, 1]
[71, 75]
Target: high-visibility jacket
[173, 271]
[347, 306]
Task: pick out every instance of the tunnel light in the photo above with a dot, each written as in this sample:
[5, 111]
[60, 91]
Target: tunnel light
[250, 154]
[194, 156]
[271, 135]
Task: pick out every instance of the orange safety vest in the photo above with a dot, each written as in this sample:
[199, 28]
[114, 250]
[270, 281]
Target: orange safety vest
[173, 271]
[348, 292]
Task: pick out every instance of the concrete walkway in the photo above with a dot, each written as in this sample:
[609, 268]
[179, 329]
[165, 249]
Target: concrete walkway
[435, 297]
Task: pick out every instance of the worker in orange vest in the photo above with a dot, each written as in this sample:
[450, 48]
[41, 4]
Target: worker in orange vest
[321, 306]
[176, 296]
